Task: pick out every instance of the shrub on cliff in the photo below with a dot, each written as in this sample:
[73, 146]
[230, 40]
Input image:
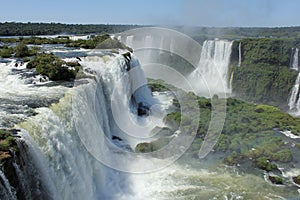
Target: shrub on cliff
[7, 141]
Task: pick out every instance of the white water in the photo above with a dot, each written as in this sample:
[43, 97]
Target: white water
[129, 41]
[240, 54]
[71, 142]
[294, 102]
[211, 75]
[295, 62]
[19, 92]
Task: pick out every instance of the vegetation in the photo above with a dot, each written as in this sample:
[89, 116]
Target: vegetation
[276, 180]
[251, 133]
[20, 51]
[6, 140]
[7, 143]
[6, 52]
[263, 84]
[95, 41]
[264, 76]
[233, 33]
[53, 67]
[24, 29]
[265, 164]
[99, 42]
[37, 40]
[270, 51]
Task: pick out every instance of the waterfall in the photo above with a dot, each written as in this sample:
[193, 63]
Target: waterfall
[162, 46]
[211, 75]
[294, 102]
[295, 58]
[240, 54]
[129, 40]
[77, 146]
[230, 82]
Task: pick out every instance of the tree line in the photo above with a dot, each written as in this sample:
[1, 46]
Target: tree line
[28, 29]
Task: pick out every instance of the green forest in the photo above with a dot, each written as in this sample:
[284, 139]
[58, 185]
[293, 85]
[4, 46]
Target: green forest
[29, 29]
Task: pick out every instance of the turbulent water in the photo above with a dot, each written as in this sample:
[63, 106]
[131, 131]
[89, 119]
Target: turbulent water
[73, 139]
[78, 142]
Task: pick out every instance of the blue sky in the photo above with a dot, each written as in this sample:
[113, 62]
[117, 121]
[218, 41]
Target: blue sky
[156, 12]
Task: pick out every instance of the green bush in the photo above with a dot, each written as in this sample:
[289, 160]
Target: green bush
[265, 164]
[7, 141]
[6, 52]
[21, 50]
[53, 67]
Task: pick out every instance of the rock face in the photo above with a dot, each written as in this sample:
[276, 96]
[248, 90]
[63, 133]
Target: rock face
[23, 176]
[144, 148]
[296, 179]
[143, 109]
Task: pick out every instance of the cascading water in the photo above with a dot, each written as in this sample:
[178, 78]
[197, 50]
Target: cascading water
[129, 41]
[294, 101]
[240, 54]
[62, 140]
[295, 58]
[211, 75]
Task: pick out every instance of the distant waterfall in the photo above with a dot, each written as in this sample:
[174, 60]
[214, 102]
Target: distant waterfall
[211, 75]
[162, 46]
[294, 100]
[295, 59]
[240, 54]
[129, 40]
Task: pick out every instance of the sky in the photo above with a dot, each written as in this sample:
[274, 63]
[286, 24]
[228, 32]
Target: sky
[212, 13]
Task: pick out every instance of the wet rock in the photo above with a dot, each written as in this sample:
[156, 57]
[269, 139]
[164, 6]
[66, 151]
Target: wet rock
[276, 180]
[116, 138]
[296, 179]
[143, 109]
[127, 56]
